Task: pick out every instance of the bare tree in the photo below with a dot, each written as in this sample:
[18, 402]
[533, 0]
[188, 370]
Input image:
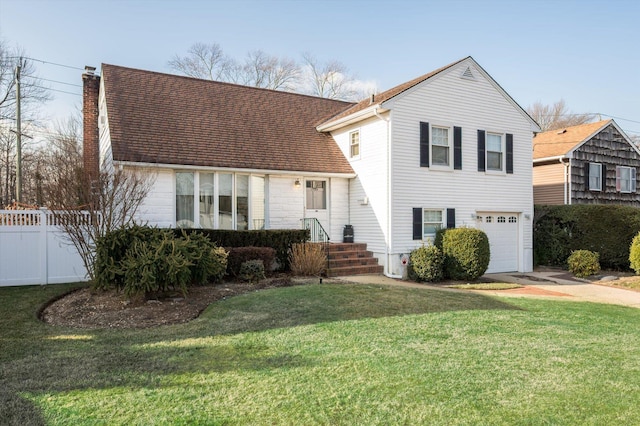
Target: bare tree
[86, 208]
[259, 69]
[270, 72]
[32, 94]
[205, 61]
[556, 116]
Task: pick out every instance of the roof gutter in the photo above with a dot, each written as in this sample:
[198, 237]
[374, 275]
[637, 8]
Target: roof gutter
[349, 119]
[231, 170]
[554, 158]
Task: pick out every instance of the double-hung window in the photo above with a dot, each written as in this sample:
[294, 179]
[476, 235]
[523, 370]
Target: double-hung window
[495, 161]
[440, 146]
[595, 177]
[354, 144]
[432, 222]
[625, 179]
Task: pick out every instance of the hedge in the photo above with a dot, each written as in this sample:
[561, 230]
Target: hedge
[604, 229]
[280, 240]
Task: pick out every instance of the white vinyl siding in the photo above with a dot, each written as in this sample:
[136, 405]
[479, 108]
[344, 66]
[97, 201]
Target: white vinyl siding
[471, 105]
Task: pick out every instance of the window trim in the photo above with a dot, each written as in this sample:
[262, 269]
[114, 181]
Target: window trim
[326, 195]
[443, 220]
[631, 179]
[449, 146]
[503, 153]
[216, 201]
[352, 145]
[591, 177]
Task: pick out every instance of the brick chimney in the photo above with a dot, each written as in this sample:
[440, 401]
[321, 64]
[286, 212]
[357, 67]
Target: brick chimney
[91, 136]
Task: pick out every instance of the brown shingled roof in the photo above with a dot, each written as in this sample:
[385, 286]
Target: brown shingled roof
[554, 143]
[388, 94]
[168, 119]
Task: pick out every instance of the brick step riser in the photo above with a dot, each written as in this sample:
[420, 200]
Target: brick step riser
[355, 270]
[369, 261]
[350, 255]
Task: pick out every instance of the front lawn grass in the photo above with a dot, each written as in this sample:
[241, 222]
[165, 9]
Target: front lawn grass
[328, 354]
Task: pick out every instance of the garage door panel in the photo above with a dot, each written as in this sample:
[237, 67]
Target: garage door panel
[502, 230]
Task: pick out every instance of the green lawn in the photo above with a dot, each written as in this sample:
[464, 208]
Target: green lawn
[331, 355]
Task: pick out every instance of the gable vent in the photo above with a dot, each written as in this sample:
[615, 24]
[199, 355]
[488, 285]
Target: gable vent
[468, 74]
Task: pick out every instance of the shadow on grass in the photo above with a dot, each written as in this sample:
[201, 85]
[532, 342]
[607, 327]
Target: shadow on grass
[38, 363]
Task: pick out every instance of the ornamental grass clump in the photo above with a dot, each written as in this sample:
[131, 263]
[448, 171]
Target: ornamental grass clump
[307, 259]
[583, 263]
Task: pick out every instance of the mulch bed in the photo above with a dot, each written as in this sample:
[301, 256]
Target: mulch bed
[87, 308]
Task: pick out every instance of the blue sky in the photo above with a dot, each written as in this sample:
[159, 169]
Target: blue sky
[585, 52]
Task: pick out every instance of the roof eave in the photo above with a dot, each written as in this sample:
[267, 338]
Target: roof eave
[547, 159]
[145, 165]
[350, 119]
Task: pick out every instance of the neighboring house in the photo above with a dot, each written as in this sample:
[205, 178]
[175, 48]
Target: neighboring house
[593, 163]
[448, 149]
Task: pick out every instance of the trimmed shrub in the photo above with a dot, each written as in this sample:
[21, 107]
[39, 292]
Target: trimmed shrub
[141, 260]
[634, 254]
[239, 255]
[252, 271]
[280, 240]
[583, 263]
[307, 259]
[426, 264]
[604, 229]
[466, 252]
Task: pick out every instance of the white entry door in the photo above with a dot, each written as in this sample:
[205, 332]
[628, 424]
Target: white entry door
[503, 232]
[317, 201]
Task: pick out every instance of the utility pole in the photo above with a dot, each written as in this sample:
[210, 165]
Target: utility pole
[18, 136]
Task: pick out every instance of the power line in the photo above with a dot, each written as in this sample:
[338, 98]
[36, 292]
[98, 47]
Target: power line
[47, 62]
[54, 81]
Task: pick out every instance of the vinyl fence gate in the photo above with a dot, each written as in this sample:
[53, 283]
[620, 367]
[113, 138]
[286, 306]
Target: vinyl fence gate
[33, 250]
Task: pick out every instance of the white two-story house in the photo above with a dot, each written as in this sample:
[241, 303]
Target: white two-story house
[448, 149]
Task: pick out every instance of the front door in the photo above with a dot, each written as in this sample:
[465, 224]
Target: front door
[317, 202]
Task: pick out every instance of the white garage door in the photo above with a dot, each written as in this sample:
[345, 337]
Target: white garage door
[502, 230]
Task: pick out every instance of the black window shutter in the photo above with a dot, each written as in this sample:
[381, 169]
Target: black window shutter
[424, 144]
[481, 160]
[587, 166]
[604, 177]
[457, 148]
[417, 223]
[509, 153]
[451, 218]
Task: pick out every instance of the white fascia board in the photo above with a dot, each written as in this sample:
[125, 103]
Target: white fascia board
[232, 170]
[349, 119]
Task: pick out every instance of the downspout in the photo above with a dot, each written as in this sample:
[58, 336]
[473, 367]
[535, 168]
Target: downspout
[389, 209]
[566, 182]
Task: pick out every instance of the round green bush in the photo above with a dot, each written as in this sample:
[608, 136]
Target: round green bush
[634, 254]
[466, 252]
[583, 263]
[426, 264]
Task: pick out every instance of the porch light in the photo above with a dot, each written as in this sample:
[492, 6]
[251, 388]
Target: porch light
[297, 183]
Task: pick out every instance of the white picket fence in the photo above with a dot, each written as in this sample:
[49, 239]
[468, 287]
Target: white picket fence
[33, 250]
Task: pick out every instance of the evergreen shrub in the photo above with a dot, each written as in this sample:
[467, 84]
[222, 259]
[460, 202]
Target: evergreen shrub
[583, 263]
[426, 263]
[466, 252]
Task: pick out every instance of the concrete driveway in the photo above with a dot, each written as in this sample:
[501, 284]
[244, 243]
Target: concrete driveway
[555, 284]
[569, 287]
